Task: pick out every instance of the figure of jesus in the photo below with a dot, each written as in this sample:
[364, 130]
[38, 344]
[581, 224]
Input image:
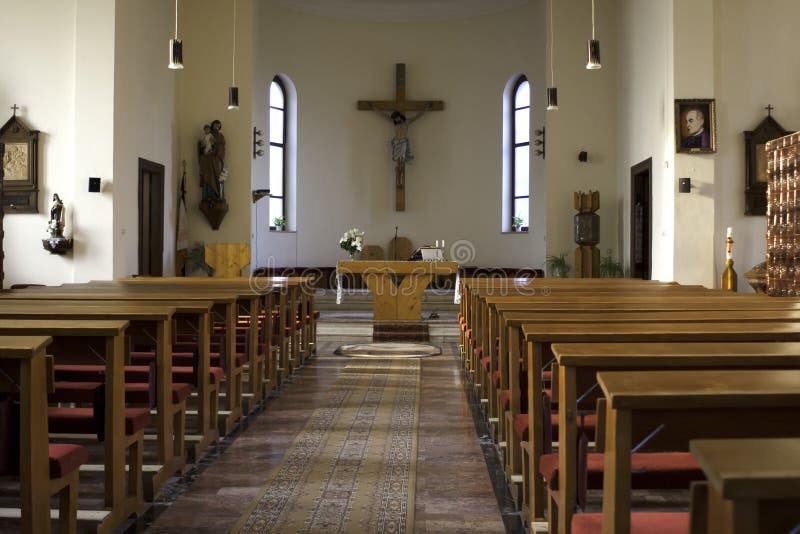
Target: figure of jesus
[401, 146]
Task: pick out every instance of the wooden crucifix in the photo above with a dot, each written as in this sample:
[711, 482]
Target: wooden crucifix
[396, 111]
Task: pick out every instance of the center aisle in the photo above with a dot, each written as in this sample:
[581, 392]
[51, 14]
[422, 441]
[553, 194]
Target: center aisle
[453, 492]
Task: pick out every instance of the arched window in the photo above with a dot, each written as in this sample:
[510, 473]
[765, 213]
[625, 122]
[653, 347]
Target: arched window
[520, 154]
[277, 149]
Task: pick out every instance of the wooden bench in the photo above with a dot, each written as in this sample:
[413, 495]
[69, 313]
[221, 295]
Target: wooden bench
[107, 338]
[538, 337]
[684, 405]
[224, 308]
[578, 364]
[753, 486]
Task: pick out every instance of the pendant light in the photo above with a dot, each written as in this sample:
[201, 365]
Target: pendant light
[233, 91]
[594, 48]
[176, 46]
[552, 90]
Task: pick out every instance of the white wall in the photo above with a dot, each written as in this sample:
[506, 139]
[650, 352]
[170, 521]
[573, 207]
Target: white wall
[645, 120]
[748, 36]
[38, 75]
[144, 123]
[586, 120]
[345, 172]
[202, 96]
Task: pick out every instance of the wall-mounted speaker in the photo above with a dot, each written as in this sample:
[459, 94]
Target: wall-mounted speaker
[94, 185]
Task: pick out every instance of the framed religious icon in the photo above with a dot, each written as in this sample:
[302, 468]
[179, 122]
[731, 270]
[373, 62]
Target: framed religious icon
[695, 126]
[755, 163]
[20, 164]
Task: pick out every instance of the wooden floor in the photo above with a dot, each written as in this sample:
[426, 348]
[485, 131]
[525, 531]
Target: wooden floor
[453, 492]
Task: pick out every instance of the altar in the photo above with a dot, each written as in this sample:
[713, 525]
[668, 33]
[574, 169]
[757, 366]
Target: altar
[401, 301]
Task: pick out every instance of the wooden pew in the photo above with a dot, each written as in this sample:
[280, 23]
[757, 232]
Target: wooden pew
[154, 321]
[538, 337]
[690, 405]
[753, 485]
[109, 338]
[26, 355]
[510, 368]
[224, 307]
[578, 364]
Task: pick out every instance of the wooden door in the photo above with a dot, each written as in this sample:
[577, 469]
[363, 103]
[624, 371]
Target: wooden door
[151, 218]
[641, 222]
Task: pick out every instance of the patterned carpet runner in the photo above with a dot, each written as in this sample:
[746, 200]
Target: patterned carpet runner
[353, 467]
[388, 350]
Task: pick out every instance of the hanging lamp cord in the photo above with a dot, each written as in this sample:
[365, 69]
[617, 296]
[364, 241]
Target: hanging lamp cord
[176, 20]
[233, 63]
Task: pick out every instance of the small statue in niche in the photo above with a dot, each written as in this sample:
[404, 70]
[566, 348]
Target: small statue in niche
[56, 225]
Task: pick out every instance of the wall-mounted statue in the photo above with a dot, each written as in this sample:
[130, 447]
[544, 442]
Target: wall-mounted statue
[56, 243]
[213, 173]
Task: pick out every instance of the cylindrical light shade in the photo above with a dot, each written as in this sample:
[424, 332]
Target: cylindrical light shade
[233, 98]
[594, 55]
[552, 99]
[175, 54]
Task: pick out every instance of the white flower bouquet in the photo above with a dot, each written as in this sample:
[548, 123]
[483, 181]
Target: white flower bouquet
[53, 228]
[352, 241]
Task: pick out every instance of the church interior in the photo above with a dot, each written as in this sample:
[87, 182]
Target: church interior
[399, 266]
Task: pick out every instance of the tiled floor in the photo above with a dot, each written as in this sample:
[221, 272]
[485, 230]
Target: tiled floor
[454, 492]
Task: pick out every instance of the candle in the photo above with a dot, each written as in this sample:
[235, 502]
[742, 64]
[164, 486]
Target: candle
[442, 243]
[437, 243]
[730, 232]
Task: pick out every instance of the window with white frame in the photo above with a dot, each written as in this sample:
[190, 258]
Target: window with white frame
[520, 154]
[277, 150]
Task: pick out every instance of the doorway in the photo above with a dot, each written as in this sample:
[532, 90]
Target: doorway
[641, 219]
[151, 218]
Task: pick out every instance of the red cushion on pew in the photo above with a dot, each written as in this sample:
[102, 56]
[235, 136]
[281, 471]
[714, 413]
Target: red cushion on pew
[217, 374]
[81, 420]
[464, 327]
[93, 373]
[65, 458]
[316, 314]
[469, 333]
[496, 379]
[587, 423]
[505, 399]
[521, 426]
[83, 392]
[141, 393]
[460, 317]
[641, 522]
[547, 375]
[486, 361]
[479, 352]
[649, 470]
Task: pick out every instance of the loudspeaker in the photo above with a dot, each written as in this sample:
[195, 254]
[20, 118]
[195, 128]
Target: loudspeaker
[94, 185]
[684, 185]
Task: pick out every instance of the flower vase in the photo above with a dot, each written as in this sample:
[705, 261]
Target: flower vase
[354, 256]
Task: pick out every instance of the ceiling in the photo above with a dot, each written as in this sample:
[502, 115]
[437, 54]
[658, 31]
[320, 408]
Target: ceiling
[402, 10]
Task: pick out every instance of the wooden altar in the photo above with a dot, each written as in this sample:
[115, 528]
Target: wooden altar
[401, 301]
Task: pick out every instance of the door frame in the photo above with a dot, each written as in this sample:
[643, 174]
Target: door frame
[640, 168]
[154, 169]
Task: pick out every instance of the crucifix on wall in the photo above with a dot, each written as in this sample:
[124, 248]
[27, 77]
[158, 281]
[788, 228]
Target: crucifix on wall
[397, 111]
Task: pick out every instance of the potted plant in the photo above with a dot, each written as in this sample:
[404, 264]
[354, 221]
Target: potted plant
[280, 223]
[610, 267]
[557, 266]
[516, 223]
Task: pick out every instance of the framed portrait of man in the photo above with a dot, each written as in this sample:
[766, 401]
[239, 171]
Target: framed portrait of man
[695, 125]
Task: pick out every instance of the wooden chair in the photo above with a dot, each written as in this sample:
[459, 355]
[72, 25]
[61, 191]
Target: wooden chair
[400, 249]
[372, 252]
